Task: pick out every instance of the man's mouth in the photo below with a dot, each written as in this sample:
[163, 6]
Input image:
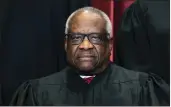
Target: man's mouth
[86, 58]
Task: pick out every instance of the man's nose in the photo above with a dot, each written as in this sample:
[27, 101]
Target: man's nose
[86, 44]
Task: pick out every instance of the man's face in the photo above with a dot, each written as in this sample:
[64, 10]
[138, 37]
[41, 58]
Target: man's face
[87, 54]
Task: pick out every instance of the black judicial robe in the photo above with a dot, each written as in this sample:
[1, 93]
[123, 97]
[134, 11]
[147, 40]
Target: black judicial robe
[115, 86]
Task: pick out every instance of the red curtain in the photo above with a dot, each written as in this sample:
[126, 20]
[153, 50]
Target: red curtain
[114, 9]
[120, 7]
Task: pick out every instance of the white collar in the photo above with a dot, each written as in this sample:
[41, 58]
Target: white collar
[83, 76]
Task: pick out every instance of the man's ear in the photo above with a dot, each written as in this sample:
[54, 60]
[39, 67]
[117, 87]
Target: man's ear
[65, 44]
[110, 44]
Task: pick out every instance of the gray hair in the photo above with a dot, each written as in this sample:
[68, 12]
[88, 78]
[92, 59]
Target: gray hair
[94, 10]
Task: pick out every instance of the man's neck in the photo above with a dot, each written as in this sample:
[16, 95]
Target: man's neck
[95, 71]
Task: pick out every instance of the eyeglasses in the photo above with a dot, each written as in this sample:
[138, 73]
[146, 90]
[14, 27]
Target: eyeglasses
[94, 38]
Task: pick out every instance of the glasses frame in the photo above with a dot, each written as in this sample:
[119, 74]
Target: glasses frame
[103, 37]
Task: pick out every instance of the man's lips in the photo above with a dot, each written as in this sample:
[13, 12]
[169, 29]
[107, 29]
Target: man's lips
[86, 57]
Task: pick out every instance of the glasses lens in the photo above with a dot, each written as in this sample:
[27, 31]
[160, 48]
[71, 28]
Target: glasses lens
[76, 38]
[95, 38]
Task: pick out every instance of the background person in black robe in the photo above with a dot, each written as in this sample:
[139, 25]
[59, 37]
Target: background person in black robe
[142, 42]
[88, 45]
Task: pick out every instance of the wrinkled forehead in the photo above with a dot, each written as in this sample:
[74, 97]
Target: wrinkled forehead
[87, 22]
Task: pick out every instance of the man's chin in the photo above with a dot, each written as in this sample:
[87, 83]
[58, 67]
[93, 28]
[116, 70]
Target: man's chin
[86, 68]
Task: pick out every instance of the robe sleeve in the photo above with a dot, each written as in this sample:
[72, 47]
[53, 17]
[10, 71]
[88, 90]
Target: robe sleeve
[24, 96]
[154, 91]
[1, 103]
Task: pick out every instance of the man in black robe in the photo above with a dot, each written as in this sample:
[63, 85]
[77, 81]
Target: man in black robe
[90, 78]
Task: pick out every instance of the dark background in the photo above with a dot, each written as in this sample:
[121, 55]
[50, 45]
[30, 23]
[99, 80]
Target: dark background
[32, 35]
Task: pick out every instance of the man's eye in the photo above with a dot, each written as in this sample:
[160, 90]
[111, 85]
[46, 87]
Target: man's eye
[95, 38]
[76, 37]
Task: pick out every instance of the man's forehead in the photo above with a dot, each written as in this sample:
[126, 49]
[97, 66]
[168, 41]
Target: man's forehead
[83, 16]
[86, 13]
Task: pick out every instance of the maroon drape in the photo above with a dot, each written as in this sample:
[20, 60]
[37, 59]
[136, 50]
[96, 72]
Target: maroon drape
[120, 6]
[114, 9]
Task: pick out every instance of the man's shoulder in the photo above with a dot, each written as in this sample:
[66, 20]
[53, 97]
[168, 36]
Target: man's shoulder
[53, 79]
[122, 74]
